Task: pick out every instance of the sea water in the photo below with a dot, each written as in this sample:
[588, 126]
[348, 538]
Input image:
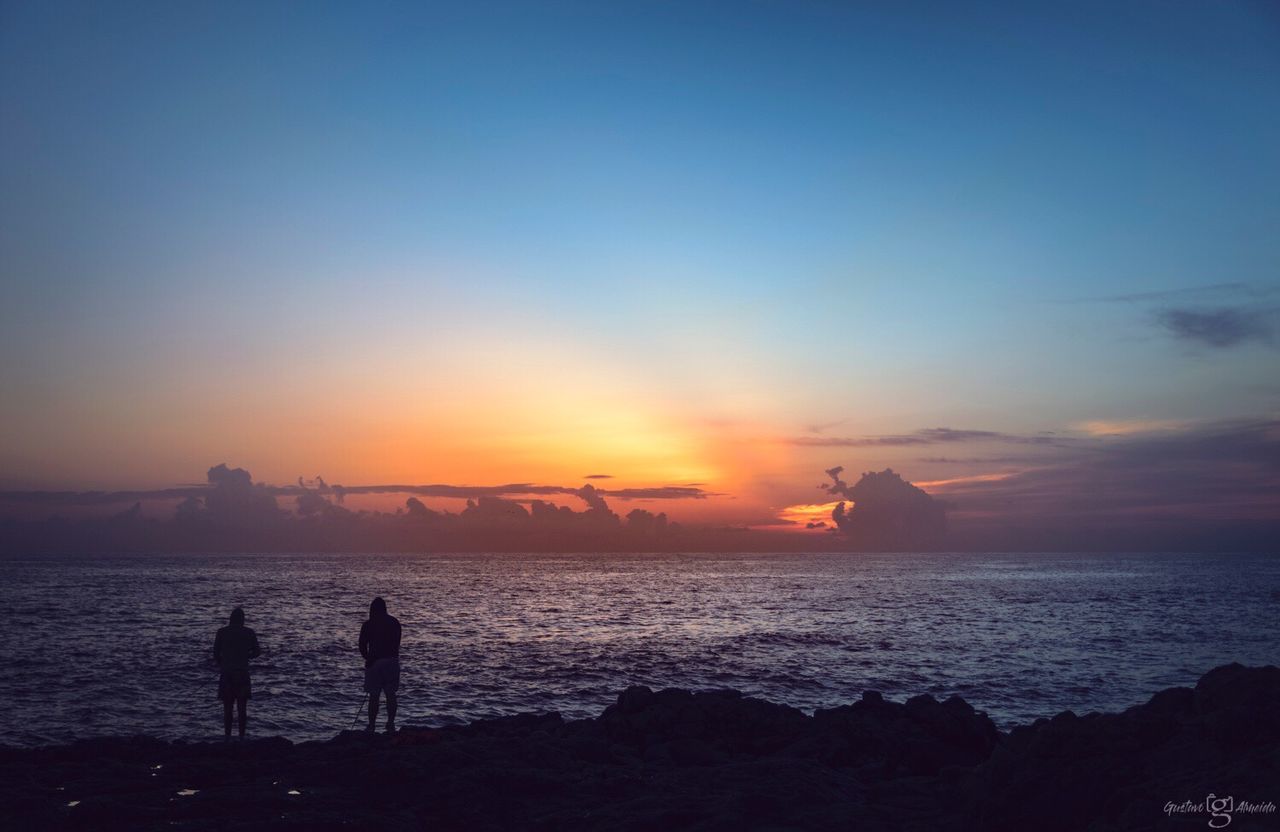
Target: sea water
[123, 645]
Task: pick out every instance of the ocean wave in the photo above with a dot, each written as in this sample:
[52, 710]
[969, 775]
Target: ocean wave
[1016, 634]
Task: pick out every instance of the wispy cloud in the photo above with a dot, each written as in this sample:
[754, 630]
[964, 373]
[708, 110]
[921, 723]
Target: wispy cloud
[1220, 327]
[926, 436]
[1008, 459]
[1127, 427]
[823, 427]
[1165, 295]
[969, 480]
[1217, 315]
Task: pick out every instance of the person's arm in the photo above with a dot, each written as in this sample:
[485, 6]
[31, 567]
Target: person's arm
[217, 649]
[254, 650]
[364, 640]
[395, 640]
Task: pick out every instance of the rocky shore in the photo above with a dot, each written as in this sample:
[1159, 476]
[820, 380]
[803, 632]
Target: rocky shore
[708, 761]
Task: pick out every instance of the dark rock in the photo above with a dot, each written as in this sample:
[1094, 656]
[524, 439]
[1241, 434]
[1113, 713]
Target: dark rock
[1118, 771]
[633, 699]
[917, 738]
[711, 760]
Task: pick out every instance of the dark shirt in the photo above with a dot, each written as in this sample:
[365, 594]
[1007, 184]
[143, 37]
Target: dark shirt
[380, 639]
[234, 646]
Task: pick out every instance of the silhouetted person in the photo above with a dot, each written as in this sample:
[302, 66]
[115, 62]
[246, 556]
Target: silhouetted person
[380, 646]
[233, 647]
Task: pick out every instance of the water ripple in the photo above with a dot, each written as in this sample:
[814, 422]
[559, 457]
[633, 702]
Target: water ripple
[122, 645]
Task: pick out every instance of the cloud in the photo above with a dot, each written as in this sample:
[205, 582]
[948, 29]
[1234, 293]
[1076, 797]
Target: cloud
[823, 427]
[1218, 289]
[647, 523]
[1220, 327]
[1216, 316]
[1208, 487]
[98, 498]
[933, 485]
[887, 513]
[1202, 487]
[1211, 487]
[418, 510]
[491, 518]
[231, 512]
[983, 460]
[1128, 427]
[598, 477]
[316, 505]
[233, 498]
[926, 436]
[666, 492]
[593, 498]
[494, 512]
[235, 482]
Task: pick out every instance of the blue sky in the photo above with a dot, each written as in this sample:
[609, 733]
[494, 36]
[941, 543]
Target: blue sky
[241, 229]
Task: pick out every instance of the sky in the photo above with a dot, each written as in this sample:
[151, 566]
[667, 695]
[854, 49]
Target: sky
[720, 246]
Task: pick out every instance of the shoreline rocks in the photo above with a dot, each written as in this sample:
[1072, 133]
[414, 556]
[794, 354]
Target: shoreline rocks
[712, 760]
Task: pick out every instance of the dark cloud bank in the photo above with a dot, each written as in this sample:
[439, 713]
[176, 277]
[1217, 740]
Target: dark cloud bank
[234, 513]
[1216, 488]
[1213, 488]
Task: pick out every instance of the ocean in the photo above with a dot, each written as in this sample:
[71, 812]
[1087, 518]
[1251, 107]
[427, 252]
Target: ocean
[122, 645]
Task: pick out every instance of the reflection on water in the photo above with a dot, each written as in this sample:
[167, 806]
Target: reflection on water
[122, 645]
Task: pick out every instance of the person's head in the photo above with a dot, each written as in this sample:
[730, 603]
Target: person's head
[377, 607]
[237, 617]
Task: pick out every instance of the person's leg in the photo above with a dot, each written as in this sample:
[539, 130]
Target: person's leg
[226, 718]
[391, 711]
[242, 705]
[373, 709]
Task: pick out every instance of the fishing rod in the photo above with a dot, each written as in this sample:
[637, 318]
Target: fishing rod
[358, 712]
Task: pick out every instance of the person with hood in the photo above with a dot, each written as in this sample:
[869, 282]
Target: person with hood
[233, 647]
[380, 646]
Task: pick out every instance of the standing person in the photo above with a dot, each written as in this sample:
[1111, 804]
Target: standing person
[233, 647]
[380, 646]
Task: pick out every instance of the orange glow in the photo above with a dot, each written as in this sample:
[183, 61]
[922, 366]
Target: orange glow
[943, 485]
[809, 513]
[1127, 427]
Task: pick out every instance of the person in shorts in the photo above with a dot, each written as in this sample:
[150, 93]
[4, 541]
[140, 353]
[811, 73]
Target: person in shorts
[380, 646]
[233, 647]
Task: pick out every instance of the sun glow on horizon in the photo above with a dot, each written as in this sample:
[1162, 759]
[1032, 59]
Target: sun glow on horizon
[797, 517]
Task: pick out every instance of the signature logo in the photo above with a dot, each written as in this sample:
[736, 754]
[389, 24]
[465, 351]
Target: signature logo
[1220, 810]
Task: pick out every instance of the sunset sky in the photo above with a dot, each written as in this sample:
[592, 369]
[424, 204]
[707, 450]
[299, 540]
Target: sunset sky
[722, 246]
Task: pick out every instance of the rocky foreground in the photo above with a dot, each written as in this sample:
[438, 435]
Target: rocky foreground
[706, 761]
